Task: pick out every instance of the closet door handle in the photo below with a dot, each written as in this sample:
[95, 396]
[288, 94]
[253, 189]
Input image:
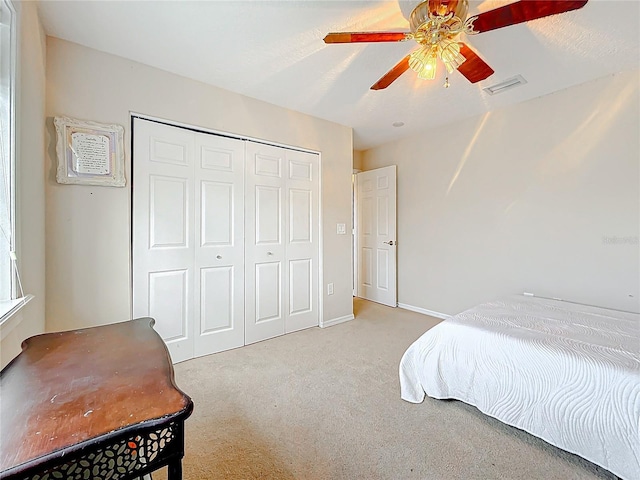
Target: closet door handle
[390, 242]
[269, 253]
[218, 257]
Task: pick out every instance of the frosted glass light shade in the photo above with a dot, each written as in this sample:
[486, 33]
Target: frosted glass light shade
[450, 54]
[423, 62]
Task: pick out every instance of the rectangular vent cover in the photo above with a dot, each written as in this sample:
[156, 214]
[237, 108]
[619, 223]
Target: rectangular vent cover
[506, 85]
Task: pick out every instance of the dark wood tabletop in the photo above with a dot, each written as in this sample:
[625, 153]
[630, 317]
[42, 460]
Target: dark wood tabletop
[68, 389]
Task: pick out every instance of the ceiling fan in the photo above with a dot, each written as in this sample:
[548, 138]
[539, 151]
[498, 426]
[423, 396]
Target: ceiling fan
[436, 25]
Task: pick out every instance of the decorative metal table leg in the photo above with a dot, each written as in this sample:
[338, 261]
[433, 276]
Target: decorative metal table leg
[175, 470]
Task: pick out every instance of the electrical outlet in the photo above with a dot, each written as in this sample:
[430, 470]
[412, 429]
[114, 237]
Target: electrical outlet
[329, 288]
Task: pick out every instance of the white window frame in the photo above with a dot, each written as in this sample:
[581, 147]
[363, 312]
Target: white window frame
[12, 297]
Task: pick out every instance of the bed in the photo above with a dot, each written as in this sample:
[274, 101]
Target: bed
[564, 372]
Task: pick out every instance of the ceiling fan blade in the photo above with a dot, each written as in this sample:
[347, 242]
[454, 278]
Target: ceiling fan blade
[474, 68]
[358, 37]
[523, 11]
[392, 75]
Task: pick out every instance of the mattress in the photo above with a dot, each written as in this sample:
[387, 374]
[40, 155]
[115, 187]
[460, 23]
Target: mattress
[564, 372]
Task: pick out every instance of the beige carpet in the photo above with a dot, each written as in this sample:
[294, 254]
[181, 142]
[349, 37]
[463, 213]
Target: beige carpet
[325, 404]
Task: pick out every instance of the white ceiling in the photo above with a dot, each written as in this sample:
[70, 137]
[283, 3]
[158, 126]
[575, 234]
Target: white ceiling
[272, 50]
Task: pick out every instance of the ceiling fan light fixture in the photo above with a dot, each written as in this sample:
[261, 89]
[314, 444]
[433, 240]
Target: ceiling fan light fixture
[423, 62]
[450, 55]
[429, 70]
[435, 25]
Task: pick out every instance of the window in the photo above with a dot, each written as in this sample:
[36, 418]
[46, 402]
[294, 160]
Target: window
[10, 289]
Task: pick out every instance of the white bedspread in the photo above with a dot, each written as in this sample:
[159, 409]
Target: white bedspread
[567, 373]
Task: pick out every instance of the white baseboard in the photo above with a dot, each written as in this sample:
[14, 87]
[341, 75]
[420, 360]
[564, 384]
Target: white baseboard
[424, 311]
[336, 321]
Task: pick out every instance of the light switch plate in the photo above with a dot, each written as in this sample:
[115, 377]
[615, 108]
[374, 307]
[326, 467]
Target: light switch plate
[342, 229]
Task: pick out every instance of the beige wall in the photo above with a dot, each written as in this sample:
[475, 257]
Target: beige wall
[88, 228]
[30, 100]
[541, 197]
[358, 155]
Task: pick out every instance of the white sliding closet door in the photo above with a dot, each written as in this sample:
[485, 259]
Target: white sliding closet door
[281, 245]
[188, 240]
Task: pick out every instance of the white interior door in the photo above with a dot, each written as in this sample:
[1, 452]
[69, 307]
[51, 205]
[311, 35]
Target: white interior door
[163, 232]
[281, 245]
[225, 238]
[265, 228]
[376, 198]
[188, 245]
[301, 249]
[219, 248]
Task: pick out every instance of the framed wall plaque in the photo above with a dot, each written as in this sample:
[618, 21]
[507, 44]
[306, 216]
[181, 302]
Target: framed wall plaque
[89, 153]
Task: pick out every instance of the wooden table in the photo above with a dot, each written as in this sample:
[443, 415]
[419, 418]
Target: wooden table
[96, 403]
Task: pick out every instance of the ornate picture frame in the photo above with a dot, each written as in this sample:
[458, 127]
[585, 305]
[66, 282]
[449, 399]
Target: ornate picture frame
[89, 153]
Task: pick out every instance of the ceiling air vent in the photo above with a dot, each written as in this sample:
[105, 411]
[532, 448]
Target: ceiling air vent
[506, 85]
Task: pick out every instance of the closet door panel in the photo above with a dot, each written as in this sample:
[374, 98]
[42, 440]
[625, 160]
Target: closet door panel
[226, 238]
[301, 286]
[302, 239]
[265, 223]
[163, 232]
[216, 299]
[168, 303]
[217, 203]
[219, 251]
[268, 293]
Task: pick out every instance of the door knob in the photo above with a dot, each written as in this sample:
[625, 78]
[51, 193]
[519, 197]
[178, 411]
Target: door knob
[390, 242]
[269, 253]
[218, 257]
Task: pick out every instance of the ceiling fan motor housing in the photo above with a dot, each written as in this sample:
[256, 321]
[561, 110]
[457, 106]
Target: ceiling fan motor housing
[423, 12]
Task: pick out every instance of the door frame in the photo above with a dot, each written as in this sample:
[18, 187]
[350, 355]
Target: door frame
[354, 230]
[221, 133]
